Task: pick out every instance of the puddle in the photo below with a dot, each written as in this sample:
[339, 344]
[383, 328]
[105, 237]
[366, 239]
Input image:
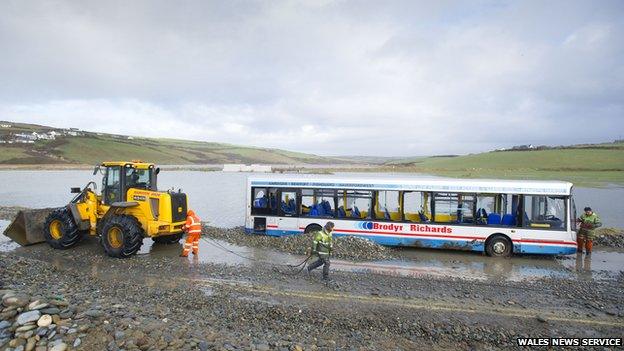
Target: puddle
[603, 264]
[418, 262]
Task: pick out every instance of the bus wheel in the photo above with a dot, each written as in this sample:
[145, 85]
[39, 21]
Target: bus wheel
[498, 246]
[312, 228]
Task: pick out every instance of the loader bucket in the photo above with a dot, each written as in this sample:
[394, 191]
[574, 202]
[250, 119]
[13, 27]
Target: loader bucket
[27, 227]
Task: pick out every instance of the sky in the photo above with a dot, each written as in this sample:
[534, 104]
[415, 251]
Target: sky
[378, 78]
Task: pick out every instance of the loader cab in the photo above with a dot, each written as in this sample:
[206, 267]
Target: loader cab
[119, 177]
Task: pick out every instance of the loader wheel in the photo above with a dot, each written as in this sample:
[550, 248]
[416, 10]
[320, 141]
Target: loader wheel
[168, 239]
[121, 236]
[60, 230]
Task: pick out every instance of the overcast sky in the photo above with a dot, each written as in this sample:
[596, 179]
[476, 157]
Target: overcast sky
[388, 78]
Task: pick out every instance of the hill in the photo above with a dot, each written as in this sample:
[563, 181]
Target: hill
[30, 144]
[588, 164]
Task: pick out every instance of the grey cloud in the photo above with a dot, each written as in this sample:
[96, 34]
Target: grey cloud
[343, 77]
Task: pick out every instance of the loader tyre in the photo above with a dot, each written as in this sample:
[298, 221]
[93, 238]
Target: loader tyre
[121, 236]
[168, 239]
[60, 230]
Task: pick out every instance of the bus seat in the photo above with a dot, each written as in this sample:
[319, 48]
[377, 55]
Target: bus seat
[292, 206]
[273, 201]
[260, 203]
[481, 216]
[314, 212]
[508, 219]
[355, 212]
[327, 208]
[386, 214]
[493, 218]
[423, 217]
[341, 212]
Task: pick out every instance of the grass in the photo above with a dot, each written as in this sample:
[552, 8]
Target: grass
[588, 165]
[93, 149]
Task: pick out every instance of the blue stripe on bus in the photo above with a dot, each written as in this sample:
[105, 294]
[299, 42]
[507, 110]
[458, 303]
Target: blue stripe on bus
[460, 244]
[420, 187]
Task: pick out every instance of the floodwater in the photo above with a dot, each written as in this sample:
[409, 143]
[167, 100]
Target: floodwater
[603, 264]
[219, 197]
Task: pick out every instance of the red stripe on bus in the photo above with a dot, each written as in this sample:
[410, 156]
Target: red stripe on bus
[271, 226]
[410, 234]
[455, 236]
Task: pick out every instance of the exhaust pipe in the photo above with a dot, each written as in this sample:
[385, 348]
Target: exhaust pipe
[27, 227]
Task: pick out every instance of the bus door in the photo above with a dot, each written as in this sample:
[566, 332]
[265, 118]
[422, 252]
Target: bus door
[288, 211]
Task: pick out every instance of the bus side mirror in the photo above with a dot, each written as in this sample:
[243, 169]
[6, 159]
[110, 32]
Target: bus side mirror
[157, 170]
[96, 169]
[75, 190]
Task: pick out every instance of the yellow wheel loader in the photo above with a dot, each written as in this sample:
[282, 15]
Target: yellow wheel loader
[128, 209]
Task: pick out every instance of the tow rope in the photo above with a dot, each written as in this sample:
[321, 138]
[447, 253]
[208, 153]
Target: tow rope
[221, 247]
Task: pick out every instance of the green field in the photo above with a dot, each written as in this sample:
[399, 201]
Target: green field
[592, 165]
[92, 148]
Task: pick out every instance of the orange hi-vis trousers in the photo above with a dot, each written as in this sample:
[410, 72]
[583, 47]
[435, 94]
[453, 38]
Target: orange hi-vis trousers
[192, 242]
[193, 227]
[588, 243]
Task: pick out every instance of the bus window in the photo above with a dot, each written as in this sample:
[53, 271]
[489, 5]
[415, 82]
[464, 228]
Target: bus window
[264, 201]
[288, 203]
[445, 206]
[510, 210]
[486, 205]
[415, 207]
[318, 202]
[466, 208]
[387, 206]
[544, 212]
[354, 203]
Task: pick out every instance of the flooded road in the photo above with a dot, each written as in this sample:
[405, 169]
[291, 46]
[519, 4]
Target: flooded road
[603, 264]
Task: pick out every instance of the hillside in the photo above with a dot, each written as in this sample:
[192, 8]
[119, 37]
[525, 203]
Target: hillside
[52, 145]
[595, 164]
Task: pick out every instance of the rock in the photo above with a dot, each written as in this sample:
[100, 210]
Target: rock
[4, 324]
[60, 303]
[37, 305]
[59, 347]
[203, 345]
[44, 320]
[26, 335]
[25, 328]
[16, 300]
[77, 342]
[29, 316]
[16, 342]
[50, 310]
[119, 335]
[8, 314]
[30, 344]
[263, 347]
[542, 319]
[93, 313]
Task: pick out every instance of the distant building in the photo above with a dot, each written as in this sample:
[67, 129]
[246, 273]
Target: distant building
[247, 168]
[5, 126]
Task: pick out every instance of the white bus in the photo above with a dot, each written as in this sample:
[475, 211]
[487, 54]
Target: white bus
[498, 217]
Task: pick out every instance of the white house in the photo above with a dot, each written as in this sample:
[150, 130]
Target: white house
[234, 167]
